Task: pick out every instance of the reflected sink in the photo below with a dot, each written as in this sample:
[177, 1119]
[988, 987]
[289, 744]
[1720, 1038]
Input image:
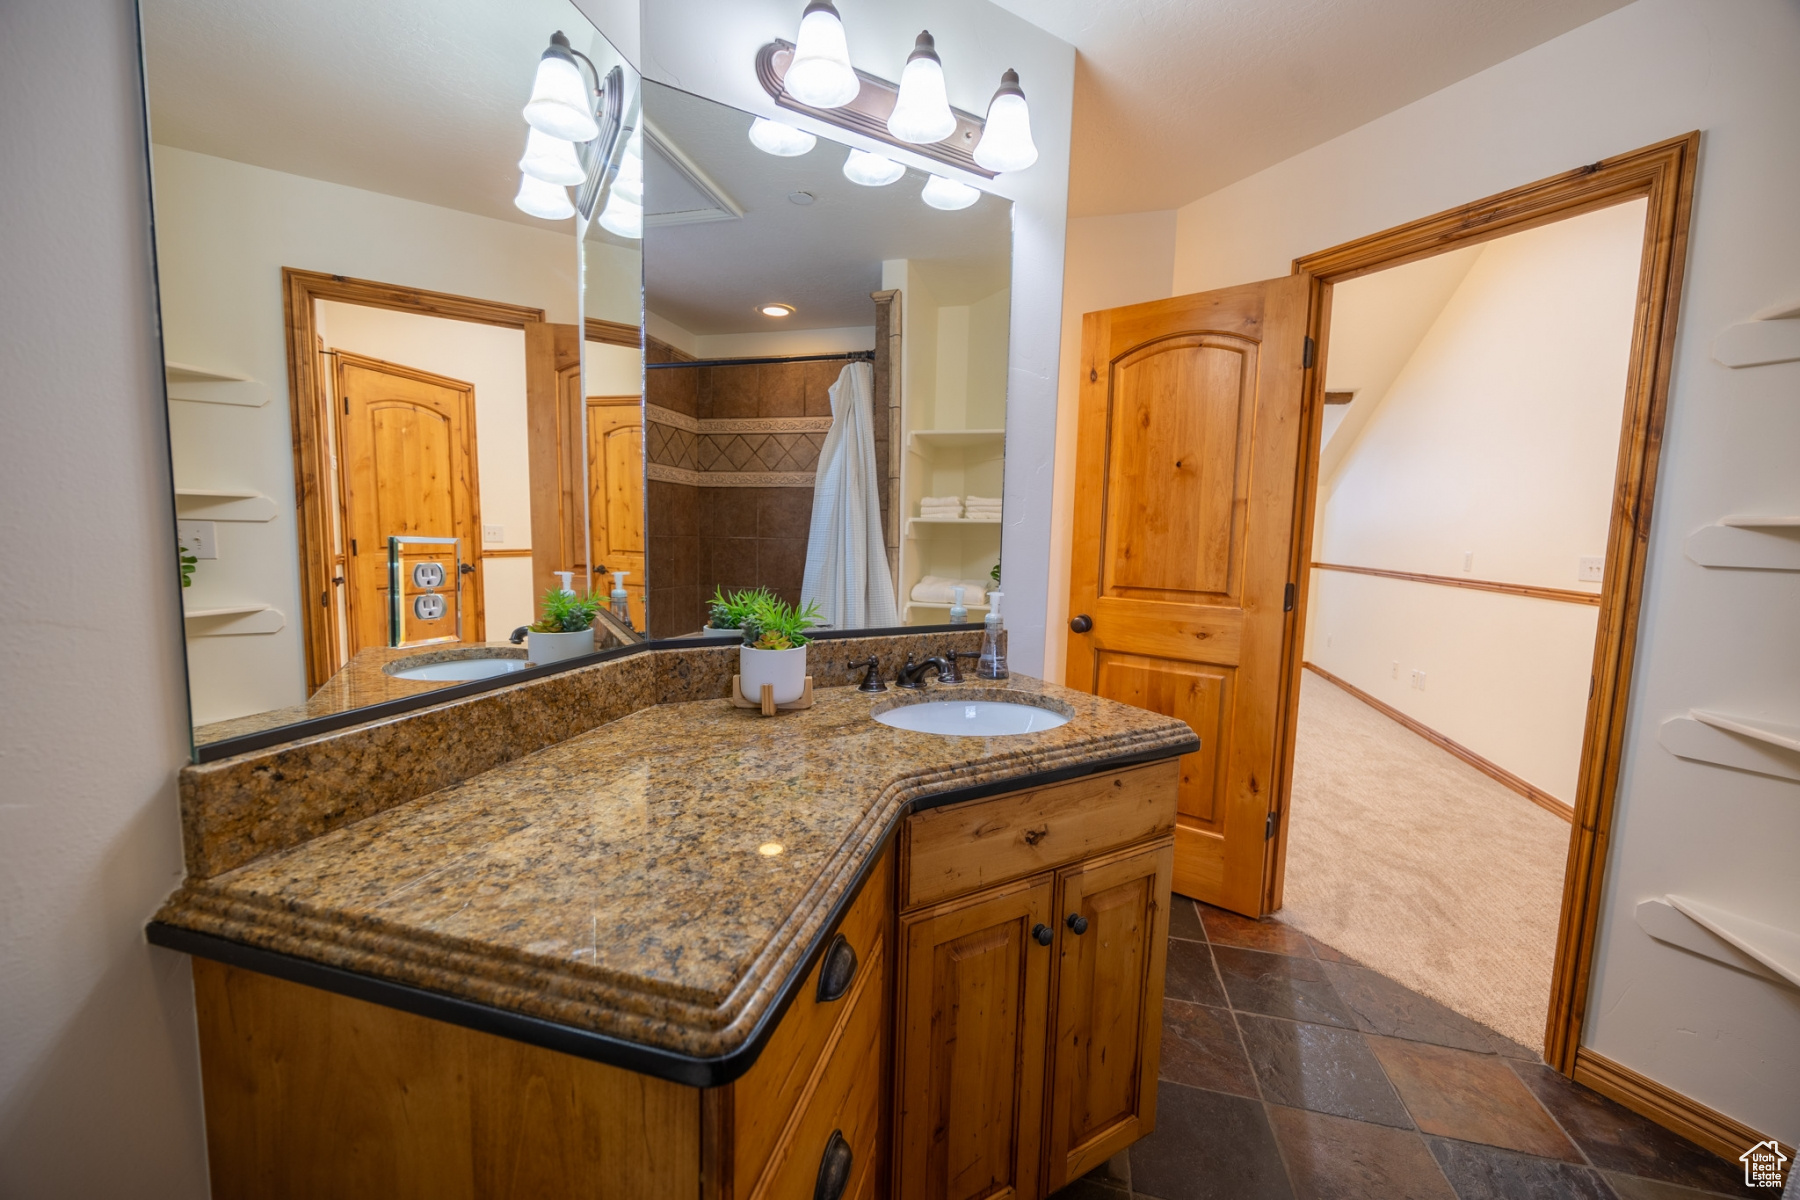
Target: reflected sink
[460, 669]
[971, 718]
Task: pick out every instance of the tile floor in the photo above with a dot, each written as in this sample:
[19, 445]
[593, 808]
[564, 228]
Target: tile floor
[1291, 1072]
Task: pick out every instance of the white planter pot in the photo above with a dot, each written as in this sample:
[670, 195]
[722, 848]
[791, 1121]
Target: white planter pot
[784, 669]
[543, 648]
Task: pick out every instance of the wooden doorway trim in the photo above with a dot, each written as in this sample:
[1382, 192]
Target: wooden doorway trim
[309, 411]
[1663, 176]
[613, 333]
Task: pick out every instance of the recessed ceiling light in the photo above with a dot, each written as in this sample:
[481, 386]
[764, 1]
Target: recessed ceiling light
[800, 198]
[775, 310]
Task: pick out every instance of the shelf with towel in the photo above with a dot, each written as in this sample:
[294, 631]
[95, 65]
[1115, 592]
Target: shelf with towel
[1748, 541]
[907, 608]
[1747, 743]
[234, 620]
[204, 386]
[1739, 942]
[925, 441]
[933, 522]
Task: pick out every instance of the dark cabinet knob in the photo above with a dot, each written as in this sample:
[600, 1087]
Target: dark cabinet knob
[834, 1168]
[1081, 623]
[838, 971]
[1077, 923]
[1043, 933]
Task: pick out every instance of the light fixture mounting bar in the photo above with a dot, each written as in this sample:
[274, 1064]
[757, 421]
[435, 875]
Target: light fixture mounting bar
[868, 113]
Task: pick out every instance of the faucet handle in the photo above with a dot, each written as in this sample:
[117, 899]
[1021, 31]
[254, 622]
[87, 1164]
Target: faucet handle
[872, 679]
[956, 675]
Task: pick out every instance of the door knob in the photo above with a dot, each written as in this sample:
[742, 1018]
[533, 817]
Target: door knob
[1077, 923]
[1043, 933]
[1081, 623]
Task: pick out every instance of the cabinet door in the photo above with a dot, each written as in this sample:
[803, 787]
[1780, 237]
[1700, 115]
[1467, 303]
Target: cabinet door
[1108, 1017]
[974, 996]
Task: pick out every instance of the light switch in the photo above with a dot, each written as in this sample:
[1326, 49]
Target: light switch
[493, 534]
[1418, 680]
[1590, 568]
[198, 538]
[1468, 561]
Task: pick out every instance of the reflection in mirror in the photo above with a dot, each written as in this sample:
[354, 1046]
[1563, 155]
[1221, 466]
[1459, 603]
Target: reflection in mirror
[825, 376]
[378, 399]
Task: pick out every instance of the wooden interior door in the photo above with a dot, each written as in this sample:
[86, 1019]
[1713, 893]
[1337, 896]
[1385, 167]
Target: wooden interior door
[1108, 1023]
[553, 404]
[974, 994]
[615, 456]
[406, 441]
[1183, 569]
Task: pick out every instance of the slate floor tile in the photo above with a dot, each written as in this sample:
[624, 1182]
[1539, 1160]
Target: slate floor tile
[1321, 1068]
[1487, 1173]
[1631, 1187]
[1201, 1048]
[1328, 953]
[1469, 1097]
[1090, 1189]
[1382, 1006]
[1184, 920]
[1189, 974]
[1330, 1158]
[1208, 1146]
[1617, 1139]
[1229, 929]
[1276, 985]
[1505, 1047]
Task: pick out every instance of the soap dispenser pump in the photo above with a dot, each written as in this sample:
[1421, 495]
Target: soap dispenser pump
[568, 578]
[993, 656]
[621, 603]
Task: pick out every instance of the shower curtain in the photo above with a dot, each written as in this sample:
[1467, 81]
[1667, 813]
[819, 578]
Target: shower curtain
[846, 557]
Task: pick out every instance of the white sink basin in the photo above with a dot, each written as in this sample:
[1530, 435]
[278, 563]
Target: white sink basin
[971, 718]
[458, 669]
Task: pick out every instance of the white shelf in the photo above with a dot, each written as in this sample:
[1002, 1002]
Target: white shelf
[1785, 736]
[1743, 522]
[1747, 542]
[218, 504]
[1759, 343]
[1748, 744]
[1737, 942]
[934, 521]
[912, 604]
[235, 620]
[953, 439]
[205, 386]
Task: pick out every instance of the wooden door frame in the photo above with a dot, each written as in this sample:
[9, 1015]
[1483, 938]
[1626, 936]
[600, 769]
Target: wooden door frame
[1663, 175]
[309, 412]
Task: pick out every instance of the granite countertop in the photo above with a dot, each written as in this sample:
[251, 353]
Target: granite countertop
[659, 879]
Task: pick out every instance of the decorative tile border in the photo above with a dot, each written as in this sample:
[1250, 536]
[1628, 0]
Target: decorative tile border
[658, 415]
[667, 474]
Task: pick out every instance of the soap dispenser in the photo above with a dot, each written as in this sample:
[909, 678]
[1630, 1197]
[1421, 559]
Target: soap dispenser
[959, 613]
[568, 578]
[621, 603]
[993, 657]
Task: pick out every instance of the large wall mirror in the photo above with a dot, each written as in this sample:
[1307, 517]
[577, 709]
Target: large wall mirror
[395, 362]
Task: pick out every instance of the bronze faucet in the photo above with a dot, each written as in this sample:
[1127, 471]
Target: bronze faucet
[912, 675]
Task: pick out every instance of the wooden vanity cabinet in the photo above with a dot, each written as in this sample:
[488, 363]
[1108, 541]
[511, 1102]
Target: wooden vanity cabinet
[1029, 1008]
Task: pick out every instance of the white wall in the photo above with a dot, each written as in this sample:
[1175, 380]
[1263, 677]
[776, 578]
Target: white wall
[1718, 638]
[1490, 456]
[99, 1071]
[784, 341]
[224, 231]
[978, 41]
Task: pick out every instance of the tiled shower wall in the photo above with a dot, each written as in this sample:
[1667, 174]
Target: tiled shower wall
[732, 452]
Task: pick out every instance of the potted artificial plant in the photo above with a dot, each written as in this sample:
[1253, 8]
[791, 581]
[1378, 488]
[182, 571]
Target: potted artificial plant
[774, 649]
[566, 629]
[725, 614]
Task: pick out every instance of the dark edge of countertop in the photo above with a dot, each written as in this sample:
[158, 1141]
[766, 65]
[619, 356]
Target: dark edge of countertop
[599, 1047]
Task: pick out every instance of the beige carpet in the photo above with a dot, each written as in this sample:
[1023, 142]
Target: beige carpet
[1419, 866]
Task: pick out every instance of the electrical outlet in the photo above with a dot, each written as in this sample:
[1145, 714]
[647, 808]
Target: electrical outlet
[493, 534]
[1468, 561]
[1418, 680]
[1590, 568]
[198, 538]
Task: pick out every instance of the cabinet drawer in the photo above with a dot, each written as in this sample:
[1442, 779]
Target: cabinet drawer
[962, 847]
[766, 1096]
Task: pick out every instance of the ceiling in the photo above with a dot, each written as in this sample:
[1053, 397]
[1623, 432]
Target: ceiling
[824, 258]
[413, 98]
[1175, 99]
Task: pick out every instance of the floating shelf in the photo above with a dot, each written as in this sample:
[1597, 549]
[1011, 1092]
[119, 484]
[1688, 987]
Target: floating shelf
[216, 504]
[906, 609]
[1750, 946]
[1747, 542]
[964, 521]
[953, 439]
[1759, 343]
[204, 386]
[1746, 743]
[235, 620]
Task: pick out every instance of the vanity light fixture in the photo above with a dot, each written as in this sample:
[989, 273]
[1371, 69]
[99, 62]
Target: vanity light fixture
[871, 170]
[628, 182]
[948, 194]
[537, 198]
[783, 141]
[1006, 143]
[922, 111]
[561, 104]
[820, 74]
[551, 159]
[622, 217]
[775, 310]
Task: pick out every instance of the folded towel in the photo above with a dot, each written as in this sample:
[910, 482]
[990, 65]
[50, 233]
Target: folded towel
[984, 516]
[937, 589]
[956, 500]
[984, 501]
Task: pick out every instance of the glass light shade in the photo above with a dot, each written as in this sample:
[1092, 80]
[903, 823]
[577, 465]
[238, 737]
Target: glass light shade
[1006, 143]
[948, 193]
[560, 104]
[551, 159]
[871, 170]
[628, 180]
[922, 110]
[540, 199]
[622, 217]
[783, 141]
[820, 74]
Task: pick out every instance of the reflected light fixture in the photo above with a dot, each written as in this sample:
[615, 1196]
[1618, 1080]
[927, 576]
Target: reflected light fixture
[1006, 143]
[871, 170]
[922, 110]
[561, 104]
[540, 199]
[622, 217]
[769, 849]
[783, 141]
[775, 310]
[628, 181]
[948, 194]
[820, 74]
[551, 159]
